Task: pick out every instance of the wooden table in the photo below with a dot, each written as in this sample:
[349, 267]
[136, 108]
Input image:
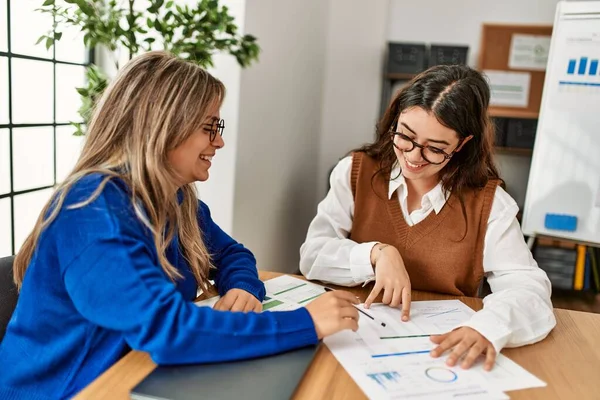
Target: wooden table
[568, 360]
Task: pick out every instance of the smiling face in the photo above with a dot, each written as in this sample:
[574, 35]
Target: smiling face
[192, 159]
[423, 128]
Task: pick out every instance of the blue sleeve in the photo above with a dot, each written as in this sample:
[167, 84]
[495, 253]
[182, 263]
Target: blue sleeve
[235, 264]
[115, 282]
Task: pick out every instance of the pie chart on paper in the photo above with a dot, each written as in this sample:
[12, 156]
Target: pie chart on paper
[440, 374]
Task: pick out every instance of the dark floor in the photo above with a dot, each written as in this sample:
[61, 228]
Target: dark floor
[578, 301]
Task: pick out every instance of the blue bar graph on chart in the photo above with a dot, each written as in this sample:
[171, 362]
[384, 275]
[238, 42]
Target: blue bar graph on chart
[582, 72]
[386, 379]
[593, 68]
[582, 65]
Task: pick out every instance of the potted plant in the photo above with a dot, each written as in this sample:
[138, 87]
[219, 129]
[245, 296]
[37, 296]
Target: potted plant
[195, 33]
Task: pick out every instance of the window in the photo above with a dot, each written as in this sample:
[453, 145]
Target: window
[37, 102]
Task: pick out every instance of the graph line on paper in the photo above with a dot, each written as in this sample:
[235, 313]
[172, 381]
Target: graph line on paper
[404, 353]
[309, 298]
[403, 336]
[441, 313]
[289, 288]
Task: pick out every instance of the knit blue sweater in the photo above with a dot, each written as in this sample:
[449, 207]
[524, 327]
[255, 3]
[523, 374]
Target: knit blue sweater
[95, 289]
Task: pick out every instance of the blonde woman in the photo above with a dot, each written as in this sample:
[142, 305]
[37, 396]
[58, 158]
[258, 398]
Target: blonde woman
[116, 257]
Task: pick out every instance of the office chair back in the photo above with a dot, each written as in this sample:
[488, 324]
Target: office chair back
[8, 293]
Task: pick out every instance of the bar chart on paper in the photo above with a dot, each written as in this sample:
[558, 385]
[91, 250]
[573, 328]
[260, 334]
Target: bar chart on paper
[581, 64]
[386, 380]
[582, 75]
[583, 67]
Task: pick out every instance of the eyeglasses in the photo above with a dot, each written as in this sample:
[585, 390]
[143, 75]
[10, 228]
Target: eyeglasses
[431, 154]
[217, 126]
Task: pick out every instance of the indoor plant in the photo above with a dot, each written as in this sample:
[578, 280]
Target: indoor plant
[193, 33]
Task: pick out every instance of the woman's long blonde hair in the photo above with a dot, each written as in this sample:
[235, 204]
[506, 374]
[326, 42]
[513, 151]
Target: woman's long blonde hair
[155, 103]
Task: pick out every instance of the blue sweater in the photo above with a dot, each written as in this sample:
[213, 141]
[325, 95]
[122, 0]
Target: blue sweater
[95, 289]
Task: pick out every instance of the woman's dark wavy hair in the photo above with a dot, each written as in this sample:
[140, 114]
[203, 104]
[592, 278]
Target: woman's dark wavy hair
[458, 97]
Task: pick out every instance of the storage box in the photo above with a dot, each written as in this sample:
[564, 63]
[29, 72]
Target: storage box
[441, 54]
[559, 264]
[521, 132]
[406, 58]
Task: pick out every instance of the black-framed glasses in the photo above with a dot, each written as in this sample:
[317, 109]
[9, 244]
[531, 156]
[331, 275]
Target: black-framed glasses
[217, 126]
[431, 154]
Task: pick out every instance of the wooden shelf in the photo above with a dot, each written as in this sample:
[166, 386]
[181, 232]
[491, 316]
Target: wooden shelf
[399, 76]
[505, 112]
[555, 242]
[513, 150]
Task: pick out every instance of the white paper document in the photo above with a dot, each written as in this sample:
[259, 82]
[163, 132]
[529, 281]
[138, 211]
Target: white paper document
[284, 293]
[393, 362]
[509, 89]
[529, 52]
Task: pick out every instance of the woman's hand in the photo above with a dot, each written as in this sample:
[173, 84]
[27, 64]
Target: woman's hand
[464, 341]
[334, 311]
[238, 300]
[391, 277]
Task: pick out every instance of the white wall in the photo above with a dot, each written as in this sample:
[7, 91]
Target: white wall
[459, 22]
[280, 119]
[352, 79]
[218, 191]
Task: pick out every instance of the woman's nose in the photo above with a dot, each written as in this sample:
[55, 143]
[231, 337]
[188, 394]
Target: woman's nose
[219, 143]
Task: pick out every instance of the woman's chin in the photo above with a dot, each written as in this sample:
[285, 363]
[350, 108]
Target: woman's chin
[202, 177]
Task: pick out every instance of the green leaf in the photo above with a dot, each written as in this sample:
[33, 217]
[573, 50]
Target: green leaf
[85, 7]
[49, 42]
[155, 7]
[82, 91]
[48, 3]
[169, 4]
[40, 39]
[57, 35]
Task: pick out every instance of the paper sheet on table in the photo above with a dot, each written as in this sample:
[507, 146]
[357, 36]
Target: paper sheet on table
[391, 361]
[284, 293]
[416, 376]
[406, 377]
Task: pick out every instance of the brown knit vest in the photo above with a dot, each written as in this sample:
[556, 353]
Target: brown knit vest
[439, 257]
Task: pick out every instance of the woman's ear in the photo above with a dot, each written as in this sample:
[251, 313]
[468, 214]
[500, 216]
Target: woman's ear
[464, 142]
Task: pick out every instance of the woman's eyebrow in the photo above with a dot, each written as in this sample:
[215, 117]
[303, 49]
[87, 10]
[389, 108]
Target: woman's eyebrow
[429, 140]
[211, 118]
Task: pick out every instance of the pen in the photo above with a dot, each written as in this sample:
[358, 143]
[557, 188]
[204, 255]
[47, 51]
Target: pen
[327, 289]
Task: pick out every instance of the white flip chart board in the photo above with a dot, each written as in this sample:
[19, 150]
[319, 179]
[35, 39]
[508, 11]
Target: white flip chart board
[565, 168]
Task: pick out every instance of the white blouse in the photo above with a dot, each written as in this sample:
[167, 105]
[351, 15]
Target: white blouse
[518, 311]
